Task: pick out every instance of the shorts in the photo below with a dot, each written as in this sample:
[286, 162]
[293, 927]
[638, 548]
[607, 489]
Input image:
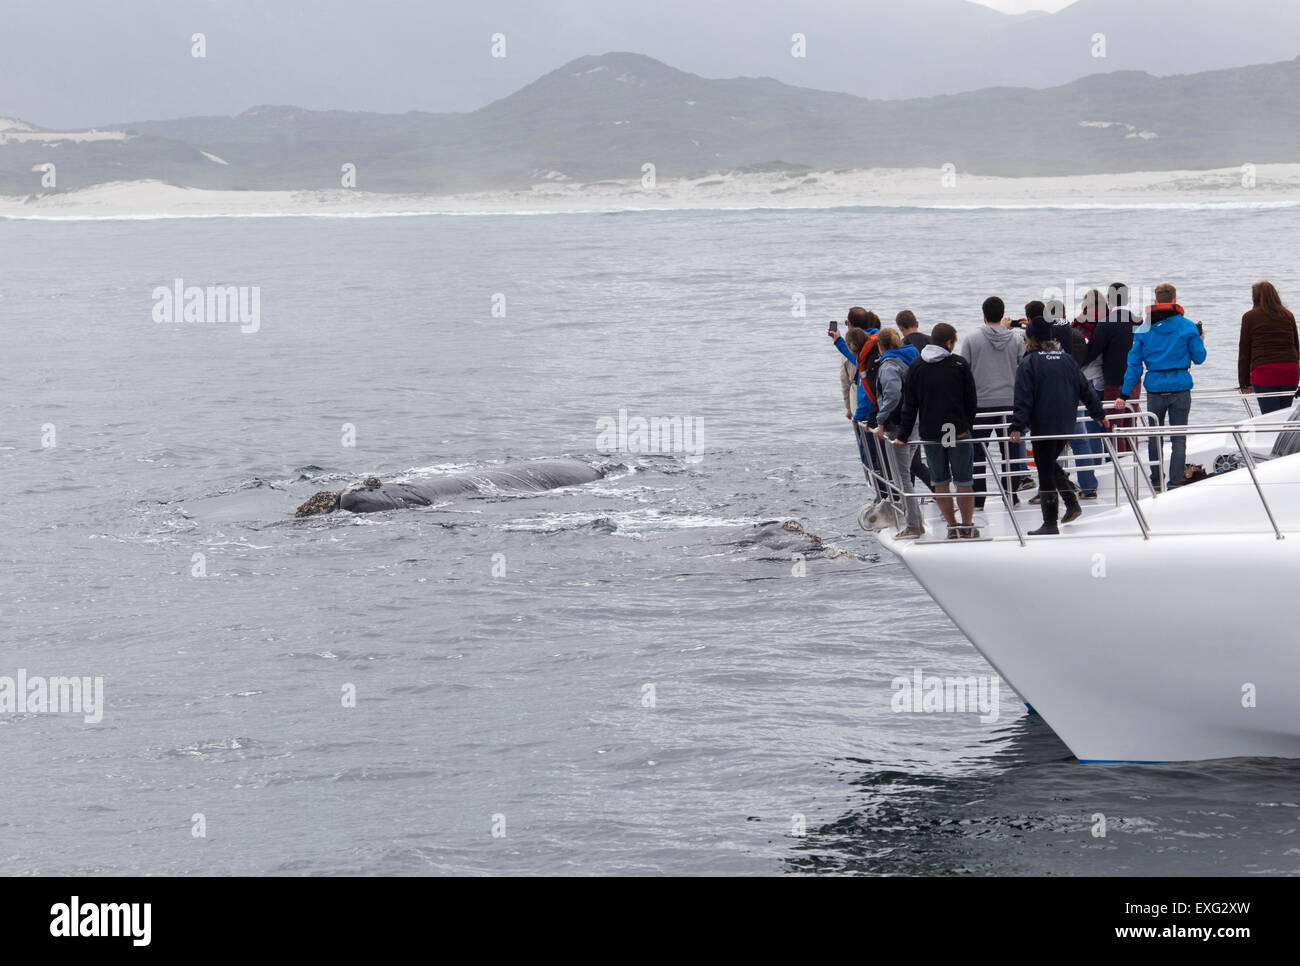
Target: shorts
[950, 464]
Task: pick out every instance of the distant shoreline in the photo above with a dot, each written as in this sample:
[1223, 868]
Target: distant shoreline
[1264, 186]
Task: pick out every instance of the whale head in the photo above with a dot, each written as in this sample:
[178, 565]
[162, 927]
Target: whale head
[326, 501]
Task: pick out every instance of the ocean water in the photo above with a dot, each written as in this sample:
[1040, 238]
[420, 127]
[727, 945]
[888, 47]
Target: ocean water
[633, 676]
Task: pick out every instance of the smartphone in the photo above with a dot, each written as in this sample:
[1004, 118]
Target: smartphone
[833, 327]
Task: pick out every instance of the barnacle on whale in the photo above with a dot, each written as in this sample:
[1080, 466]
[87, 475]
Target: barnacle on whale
[326, 501]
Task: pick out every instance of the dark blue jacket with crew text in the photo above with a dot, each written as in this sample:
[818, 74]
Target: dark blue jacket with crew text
[1049, 388]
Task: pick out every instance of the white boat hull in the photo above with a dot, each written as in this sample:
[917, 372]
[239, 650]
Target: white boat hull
[1176, 648]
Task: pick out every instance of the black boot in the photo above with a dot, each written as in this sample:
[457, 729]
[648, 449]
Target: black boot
[1050, 505]
[1072, 509]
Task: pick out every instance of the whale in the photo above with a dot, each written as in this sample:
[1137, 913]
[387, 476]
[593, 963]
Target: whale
[781, 539]
[372, 495]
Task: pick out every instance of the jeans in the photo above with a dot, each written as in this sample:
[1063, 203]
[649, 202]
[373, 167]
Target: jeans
[1277, 402]
[985, 426]
[867, 449]
[1086, 447]
[901, 456]
[1177, 406]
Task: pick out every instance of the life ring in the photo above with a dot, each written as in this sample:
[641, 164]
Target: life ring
[864, 517]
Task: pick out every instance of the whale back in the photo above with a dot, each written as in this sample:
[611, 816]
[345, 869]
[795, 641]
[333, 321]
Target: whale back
[374, 496]
[542, 475]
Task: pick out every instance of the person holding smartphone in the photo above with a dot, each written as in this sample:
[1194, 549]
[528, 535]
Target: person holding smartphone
[857, 318]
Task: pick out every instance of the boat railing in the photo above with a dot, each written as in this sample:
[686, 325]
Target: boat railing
[1233, 394]
[1121, 446]
[886, 479]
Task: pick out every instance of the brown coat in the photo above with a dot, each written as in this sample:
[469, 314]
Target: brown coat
[1265, 338]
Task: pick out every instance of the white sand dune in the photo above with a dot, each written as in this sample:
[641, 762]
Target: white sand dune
[22, 132]
[1267, 185]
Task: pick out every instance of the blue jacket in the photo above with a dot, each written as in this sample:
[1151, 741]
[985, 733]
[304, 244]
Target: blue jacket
[1167, 347]
[865, 405]
[1049, 388]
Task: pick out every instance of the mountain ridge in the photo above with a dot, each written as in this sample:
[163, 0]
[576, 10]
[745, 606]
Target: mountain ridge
[602, 117]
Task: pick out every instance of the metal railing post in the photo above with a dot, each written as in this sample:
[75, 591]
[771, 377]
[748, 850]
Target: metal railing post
[862, 455]
[1129, 492]
[1250, 465]
[1002, 490]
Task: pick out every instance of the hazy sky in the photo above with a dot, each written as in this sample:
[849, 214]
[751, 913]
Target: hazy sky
[1021, 6]
[77, 63]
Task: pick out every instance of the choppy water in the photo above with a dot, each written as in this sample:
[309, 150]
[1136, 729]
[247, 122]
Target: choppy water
[521, 694]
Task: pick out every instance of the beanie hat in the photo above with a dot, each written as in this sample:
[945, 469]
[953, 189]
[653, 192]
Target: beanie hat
[1040, 330]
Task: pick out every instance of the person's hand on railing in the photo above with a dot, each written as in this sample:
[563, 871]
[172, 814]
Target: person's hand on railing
[1014, 436]
[1247, 390]
[1121, 405]
[880, 432]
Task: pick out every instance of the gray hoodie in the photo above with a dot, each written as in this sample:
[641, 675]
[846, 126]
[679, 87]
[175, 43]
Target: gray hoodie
[994, 354]
[893, 372]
